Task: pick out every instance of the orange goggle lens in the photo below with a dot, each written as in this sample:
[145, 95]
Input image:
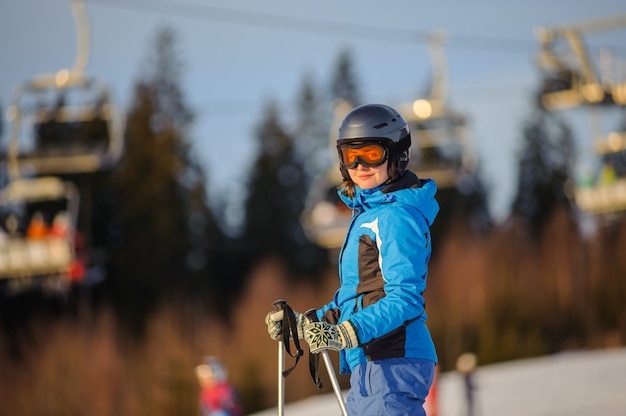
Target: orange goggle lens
[369, 154]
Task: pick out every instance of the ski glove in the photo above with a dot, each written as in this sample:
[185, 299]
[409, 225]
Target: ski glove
[322, 336]
[274, 321]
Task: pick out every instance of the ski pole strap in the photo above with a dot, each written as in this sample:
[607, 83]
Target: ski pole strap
[289, 327]
[290, 331]
[314, 369]
[314, 359]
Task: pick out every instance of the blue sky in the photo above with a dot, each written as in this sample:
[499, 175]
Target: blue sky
[238, 54]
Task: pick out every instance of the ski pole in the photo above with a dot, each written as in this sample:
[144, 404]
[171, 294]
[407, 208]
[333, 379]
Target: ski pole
[334, 382]
[279, 305]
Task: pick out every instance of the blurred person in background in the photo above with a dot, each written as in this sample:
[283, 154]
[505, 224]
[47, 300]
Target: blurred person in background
[217, 396]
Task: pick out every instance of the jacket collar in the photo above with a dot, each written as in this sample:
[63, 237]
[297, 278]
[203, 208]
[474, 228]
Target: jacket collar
[409, 190]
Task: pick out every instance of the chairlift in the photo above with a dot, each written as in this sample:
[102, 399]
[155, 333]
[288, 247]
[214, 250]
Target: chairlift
[570, 80]
[38, 234]
[325, 218]
[605, 193]
[439, 150]
[569, 76]
[64, 122]
[64, 127]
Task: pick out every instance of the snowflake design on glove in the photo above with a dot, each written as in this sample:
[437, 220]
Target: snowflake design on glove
[321, 336]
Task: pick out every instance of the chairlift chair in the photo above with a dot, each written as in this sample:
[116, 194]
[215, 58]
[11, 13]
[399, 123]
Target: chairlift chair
[569, 75]
[440, 148]
[570, 80]
[606, 195]
[325, 218]
[47, 257]
[63, 124]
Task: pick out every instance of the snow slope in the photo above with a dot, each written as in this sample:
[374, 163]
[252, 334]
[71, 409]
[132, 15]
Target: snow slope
[570, 383]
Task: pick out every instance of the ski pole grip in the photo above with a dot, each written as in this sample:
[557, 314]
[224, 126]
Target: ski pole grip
[279, 305]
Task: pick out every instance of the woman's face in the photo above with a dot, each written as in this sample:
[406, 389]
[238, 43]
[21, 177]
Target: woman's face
[369, 178]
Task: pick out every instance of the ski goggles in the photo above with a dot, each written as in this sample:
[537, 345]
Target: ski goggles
[370, 154]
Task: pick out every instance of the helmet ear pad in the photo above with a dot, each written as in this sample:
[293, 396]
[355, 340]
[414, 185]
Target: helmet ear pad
[398, 164]
[399, 158]
[403, 160]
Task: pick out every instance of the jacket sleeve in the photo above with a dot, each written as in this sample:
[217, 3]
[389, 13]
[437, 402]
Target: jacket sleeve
[329, 313]
[403, 240]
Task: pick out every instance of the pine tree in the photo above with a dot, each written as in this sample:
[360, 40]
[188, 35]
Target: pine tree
[344, 83]
[1, 125]
[544, 165]
[3, 154]
[276, 193]
[312, 128]
[167, 230]
[274, 179]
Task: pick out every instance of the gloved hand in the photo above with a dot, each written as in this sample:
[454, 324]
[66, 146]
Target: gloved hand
[322, 336]
[274, 321]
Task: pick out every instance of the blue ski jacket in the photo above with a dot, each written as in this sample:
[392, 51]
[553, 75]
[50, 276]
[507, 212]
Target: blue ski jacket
[383, 266]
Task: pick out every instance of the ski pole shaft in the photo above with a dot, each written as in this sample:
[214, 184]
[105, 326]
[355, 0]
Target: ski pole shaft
[334, 382]
[281, 379]
[279, 305]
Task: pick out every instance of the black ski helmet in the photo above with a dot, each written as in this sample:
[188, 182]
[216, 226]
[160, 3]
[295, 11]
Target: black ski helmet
[378, 122]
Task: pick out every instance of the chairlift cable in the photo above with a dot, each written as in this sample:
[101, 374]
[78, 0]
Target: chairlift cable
[319, 27]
